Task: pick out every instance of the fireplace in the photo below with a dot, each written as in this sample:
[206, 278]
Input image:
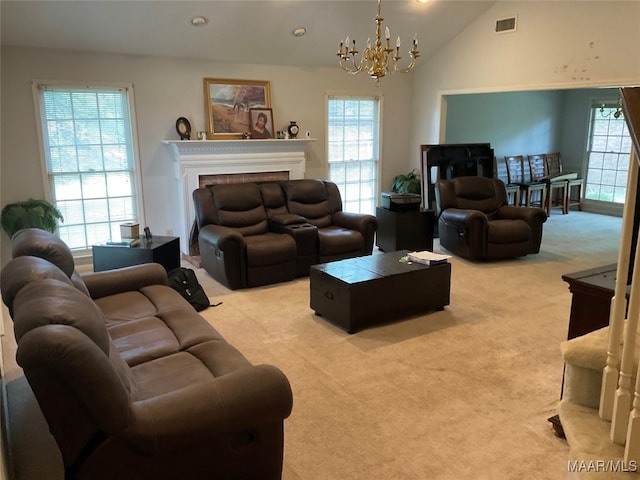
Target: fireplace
[201, 161]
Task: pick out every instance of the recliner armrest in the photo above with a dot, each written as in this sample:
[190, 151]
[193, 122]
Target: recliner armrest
[247, 398]
[111, 282]
[531, 215]
[355, 221]
[223, 238]
[462, 218]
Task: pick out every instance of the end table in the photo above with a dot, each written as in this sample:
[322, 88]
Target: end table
[162, 250]
[409, 230]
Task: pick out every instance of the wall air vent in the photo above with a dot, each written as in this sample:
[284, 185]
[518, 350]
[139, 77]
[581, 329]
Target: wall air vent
[506, 25]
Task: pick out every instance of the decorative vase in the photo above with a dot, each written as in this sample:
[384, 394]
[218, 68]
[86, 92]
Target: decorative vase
[293, 129]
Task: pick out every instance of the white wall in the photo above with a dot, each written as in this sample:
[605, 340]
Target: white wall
[558, 44]
[167, 88]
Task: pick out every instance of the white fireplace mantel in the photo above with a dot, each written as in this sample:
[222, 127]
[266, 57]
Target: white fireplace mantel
[195, 158]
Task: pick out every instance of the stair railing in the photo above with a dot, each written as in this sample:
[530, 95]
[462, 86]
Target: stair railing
[616, 393]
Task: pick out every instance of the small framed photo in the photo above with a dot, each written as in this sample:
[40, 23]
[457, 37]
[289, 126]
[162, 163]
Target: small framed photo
[261, 121]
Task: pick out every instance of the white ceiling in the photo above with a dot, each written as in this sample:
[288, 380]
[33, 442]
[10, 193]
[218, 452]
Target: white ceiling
[241, 31]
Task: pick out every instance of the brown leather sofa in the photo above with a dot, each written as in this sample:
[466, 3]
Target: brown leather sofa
[476, 222]
[133, 383]
[256, 234]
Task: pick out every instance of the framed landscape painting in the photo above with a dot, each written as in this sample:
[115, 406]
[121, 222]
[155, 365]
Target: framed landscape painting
[228, 103]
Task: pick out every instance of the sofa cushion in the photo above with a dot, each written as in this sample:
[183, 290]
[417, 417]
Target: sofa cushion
[152, 322]
[270, 249]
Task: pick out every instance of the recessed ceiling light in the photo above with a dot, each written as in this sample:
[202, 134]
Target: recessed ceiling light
[199, 21]
[299, 32]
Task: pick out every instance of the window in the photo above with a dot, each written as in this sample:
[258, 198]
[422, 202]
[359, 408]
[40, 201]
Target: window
[608, 154]
[90, 163]
[353, 150]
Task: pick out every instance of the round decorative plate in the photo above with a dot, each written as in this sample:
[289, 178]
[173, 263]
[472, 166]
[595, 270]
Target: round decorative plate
[183, 127]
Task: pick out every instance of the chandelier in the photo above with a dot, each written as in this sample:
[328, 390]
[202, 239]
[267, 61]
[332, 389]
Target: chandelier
[376, 60]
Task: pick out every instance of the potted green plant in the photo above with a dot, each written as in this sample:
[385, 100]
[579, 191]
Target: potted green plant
[29, 214]
[409, 183]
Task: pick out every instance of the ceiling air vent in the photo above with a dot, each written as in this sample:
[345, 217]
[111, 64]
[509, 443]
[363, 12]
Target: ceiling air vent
[505, 25]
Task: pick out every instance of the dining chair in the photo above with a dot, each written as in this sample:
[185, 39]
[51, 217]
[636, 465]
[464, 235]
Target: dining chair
[512, 189]
[557, 188]
[574, 183]
[519, 172]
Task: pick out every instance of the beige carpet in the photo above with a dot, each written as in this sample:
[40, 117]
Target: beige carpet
[460, 394]
[464, 393]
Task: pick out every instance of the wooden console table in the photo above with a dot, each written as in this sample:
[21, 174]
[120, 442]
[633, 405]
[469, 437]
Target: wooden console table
[592, 292]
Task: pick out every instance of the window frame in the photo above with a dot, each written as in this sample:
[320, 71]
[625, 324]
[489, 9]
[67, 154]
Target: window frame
[36, 86]
[604, 206]
[376, 96]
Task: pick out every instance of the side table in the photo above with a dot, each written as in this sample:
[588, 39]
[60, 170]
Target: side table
[162, 250]
[409, 230]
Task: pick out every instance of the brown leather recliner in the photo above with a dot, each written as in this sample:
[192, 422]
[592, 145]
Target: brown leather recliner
[132, 381]
[255, 234]
[476, 222]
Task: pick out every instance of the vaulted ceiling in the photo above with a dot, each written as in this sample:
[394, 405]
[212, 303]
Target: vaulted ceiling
[258, 31]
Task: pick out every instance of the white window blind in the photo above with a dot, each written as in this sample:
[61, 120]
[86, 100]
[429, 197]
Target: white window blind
[353, 150]
[90, 161]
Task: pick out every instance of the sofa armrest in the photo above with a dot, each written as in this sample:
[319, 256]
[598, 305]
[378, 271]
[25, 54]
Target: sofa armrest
[247, 398]
[111, 282]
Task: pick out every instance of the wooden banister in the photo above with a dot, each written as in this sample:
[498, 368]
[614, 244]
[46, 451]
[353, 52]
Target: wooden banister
[631, 109]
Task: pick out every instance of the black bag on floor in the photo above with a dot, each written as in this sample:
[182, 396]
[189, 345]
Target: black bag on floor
[184, 281]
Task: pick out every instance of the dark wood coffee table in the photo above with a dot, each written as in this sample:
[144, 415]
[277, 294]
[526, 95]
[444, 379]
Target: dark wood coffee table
[358, 292]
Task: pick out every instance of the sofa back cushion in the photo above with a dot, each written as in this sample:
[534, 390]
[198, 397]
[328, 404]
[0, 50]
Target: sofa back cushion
[41, 243]
[240, 206]
[21, 271]
[50, 301]
[309, 198]
[273, 199]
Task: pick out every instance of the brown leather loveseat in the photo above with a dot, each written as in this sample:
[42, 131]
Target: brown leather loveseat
[133, 383]
[254, 234]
